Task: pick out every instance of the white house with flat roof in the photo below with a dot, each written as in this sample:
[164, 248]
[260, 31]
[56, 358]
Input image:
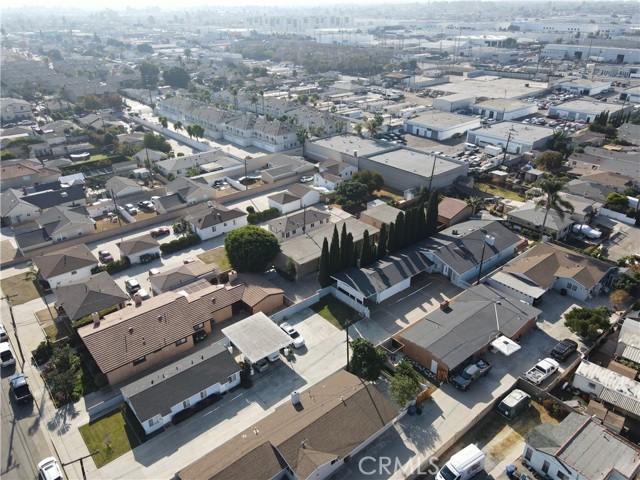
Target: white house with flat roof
[586, 110]
[585, 87]
[440, 125]
[504, 109]
[520, 137]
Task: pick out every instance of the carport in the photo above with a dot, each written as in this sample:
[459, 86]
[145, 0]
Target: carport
[257, 337]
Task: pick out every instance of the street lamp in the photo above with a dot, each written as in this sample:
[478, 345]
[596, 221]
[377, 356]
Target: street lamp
[488, 240]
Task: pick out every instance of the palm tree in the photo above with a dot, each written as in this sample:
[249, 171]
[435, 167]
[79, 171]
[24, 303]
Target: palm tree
[551, 200]
[177, 125]
[474, 203]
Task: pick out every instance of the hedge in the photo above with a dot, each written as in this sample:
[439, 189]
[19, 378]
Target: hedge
[113, 267]
[180, 243]
[182, 415]
[257, 217]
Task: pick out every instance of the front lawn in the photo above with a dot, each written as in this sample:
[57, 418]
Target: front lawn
[19, 289]
[336, 312]
[111, 435]
[217, 256]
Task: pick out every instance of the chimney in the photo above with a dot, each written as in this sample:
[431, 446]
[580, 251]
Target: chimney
[444, 305]
[138, 299]
[96, 318]
[233, 275]
[295, 398]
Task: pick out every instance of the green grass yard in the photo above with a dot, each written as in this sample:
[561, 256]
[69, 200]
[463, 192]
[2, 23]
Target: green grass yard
[336, 312]
[111, 435]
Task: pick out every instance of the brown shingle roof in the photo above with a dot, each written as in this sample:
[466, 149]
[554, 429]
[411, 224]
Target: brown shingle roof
[544, 262]
[134, 332]
[283, 198]
[137, 244]
[63, 261]
[256, 288]
[451, 207]
[338, 414]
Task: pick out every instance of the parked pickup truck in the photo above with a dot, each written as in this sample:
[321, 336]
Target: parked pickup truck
[471, 373]
[543, 370]
[20, 388]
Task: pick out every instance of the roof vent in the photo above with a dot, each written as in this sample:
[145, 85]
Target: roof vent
[159, 318]
[131, 330]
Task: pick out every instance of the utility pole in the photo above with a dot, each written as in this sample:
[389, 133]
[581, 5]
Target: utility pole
[15, 328]
[84, 474]
[504, 157]
[115, 206]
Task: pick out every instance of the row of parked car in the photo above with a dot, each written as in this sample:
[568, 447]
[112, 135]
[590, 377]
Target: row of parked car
[297, 341]
[18, 381]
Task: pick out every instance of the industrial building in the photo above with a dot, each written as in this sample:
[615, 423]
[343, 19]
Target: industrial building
[504, 109]
[440, 126]
[513, 137]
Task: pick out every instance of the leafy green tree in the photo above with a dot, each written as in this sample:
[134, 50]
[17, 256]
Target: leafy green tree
[617, 202]
[358, 128]
[303, 98]
[324, 277]
[588, 322]
[432, 213]
[63, 373]
[629, 282]
[381, 251]
[192, 171]
[251, 248]
[150, 74]
[351, 195]
[366, 254]
[334, 252]
[145, 48]
[177, 77]
[164, 121]
[375, 124]
[551, 187]
[155, 142]
[351, 258]
[619, 298]
[302, 134]
[366, 360]
[197, 131]
[405, 384]
[372, 179]
[177, 125]
[550, 161]
[475, 203]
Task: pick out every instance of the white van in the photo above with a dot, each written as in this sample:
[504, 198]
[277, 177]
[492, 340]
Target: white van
[463, 465]
[6, 355]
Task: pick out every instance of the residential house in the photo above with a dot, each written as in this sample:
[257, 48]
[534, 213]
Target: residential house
[57, 194]
[14, 109]
[463, 252]
[584, 209]
[452, 211]
[592, 191]
[148, 155]
[547, 266]
[610, 387]
[180, 276]
[137, 338]
[179, 165]
[135, 247]
[98, 292]
[157, 397]
[212, 221]
[333, 172]
[448, 339]
[384, 278]
[529, 217]
[629, 341]
[15, 210]
[66, 266]
[379, 215]
[580, 448]
[62, 223]
[120, 187]
[296, 224]
[616, 181]
[297, 196]
[168, 203]
[304, 250]
[26, 174]
[191, 190]
[596, 159]
[304, 438]
[279, 167]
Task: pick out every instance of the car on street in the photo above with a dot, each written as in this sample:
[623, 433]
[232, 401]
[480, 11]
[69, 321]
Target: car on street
[298, 340]
[104, 256]
[20, 388]
[160, 231]
[564, 349]
[306, 179]
[132, 285]
[6, 355]
[48, 469]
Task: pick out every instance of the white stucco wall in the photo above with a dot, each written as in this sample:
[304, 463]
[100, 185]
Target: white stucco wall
[70, 277]
[221, 228]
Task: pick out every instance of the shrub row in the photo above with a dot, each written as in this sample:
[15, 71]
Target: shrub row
[180, 243]
[257, 217]
[113, 267]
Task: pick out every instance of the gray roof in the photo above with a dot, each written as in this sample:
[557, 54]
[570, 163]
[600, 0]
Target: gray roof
[90, 295]
[156, 393]
[580, 443]
[528, 213]
[117, 184]
[55, 218]
[385, 273]
[32, 238]
[170, 201]
[383, 213]
[64, 261]
[419, 163]
[462, 252]
[592, 191]
[51, 198]
[208, 217]
[469, 324]
[138, 244]
[297, 220]
[180, 276]
[257, 336]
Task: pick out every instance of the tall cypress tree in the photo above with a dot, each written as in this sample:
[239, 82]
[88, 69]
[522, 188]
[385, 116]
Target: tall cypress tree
[421, 221]
[351, 258]
[432, 214]
[410, 227]
[334, 252]
[400, 238]
[381, 252]
[366, 256]
[344, 255]
[323, 270]
[392, 243]
[356, 255]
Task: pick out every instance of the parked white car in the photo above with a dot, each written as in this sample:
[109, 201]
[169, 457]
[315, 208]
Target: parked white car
[298, 340]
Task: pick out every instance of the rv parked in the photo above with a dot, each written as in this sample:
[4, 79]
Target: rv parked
[463, 465]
